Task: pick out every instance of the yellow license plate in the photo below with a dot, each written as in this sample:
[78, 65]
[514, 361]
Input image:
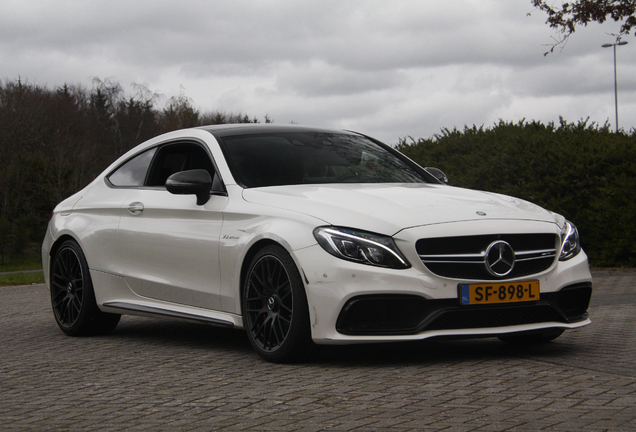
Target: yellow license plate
[508, 292]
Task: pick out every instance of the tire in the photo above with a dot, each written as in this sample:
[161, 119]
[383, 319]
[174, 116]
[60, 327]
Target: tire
[72, 295]
[532, 337]
[275, 311]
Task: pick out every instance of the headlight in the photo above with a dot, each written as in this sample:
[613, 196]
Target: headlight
[570, 243]
[361, 247]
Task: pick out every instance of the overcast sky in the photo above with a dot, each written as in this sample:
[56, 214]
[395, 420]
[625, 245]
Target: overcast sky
[388, 69]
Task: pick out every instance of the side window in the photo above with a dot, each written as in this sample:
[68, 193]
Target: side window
[133, 172]
[174, 158]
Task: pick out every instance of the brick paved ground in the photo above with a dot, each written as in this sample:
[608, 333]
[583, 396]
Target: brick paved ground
[166, 375]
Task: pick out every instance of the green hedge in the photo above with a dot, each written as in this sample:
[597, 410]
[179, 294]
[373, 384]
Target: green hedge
[583, 171]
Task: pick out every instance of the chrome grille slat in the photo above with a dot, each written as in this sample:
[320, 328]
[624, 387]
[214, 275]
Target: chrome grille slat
[452, 262]
[536, 258]
[479, 258]
[546, 251]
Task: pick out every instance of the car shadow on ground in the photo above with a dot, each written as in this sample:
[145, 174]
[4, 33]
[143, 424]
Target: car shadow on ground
[193, 336]
[180, 333]
[439, 351]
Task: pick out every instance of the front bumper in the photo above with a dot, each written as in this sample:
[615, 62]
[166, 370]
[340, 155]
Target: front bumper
[355, 303]
[409, 314]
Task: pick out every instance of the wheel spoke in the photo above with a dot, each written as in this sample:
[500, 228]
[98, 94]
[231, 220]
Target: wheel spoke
[258, 326]
[279, 323]
[67, 265]
[61, 270]
[257, 298]
[70, 313]
[285, 319]
[65, 318]
[58, 299]
[57, 279]
[77, 305]
[259, 280]
[256, 291]
[286, 309]
[274, 337]
[275, 274]
[265, 339]
[285, 290]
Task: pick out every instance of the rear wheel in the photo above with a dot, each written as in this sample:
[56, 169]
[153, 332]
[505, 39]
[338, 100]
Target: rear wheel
[73, 297]
[532, 337]
[275, 311]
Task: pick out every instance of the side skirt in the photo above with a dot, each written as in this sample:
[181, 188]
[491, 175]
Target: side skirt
[145, 310]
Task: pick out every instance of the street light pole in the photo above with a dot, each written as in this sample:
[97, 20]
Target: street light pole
[618, 42]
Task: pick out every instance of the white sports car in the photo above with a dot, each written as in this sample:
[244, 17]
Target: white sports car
[302, 235]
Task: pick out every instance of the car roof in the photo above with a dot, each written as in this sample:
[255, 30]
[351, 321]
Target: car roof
[224, 130]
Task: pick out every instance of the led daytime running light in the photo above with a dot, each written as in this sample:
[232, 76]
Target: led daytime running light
[570, 242]
[370, 247]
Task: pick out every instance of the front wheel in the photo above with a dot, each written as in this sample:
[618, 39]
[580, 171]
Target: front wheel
[72, 295]
[275, 311]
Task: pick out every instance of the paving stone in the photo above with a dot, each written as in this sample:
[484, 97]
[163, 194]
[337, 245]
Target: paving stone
[157, 375]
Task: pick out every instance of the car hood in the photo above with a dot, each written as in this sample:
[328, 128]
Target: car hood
[389, 208]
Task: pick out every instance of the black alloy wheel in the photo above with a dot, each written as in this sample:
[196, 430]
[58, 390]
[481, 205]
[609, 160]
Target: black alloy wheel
[67, 287]
[275, 308]
[72, 295]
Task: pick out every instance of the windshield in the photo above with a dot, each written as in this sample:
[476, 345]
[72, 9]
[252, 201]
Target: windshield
[274, 159]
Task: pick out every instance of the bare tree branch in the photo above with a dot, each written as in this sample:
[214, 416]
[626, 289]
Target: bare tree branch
[582, 12]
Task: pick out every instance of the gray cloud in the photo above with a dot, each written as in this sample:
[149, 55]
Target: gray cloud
[388, 69]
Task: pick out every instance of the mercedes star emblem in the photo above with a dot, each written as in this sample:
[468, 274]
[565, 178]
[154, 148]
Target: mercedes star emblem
[500, 258]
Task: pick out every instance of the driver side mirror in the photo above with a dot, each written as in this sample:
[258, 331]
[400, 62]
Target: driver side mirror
[194, 182]
[438, 174]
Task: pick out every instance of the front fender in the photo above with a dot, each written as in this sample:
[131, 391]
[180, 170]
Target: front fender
[242, 234]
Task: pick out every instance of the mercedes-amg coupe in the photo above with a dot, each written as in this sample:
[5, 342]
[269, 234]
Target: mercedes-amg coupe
[307, 236]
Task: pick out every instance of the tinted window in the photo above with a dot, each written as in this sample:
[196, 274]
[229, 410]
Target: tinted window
[175, 158]
[133, 172]
[310, 158]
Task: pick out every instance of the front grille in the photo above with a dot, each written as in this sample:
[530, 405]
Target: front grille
[409, 314]
[465, 257]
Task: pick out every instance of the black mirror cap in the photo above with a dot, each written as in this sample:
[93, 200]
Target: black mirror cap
[438, 174]
[194, 182]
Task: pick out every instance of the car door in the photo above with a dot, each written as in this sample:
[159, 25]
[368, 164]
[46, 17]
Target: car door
[169, 245]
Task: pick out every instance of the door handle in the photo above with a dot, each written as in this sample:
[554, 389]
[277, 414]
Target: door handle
[135, 208]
